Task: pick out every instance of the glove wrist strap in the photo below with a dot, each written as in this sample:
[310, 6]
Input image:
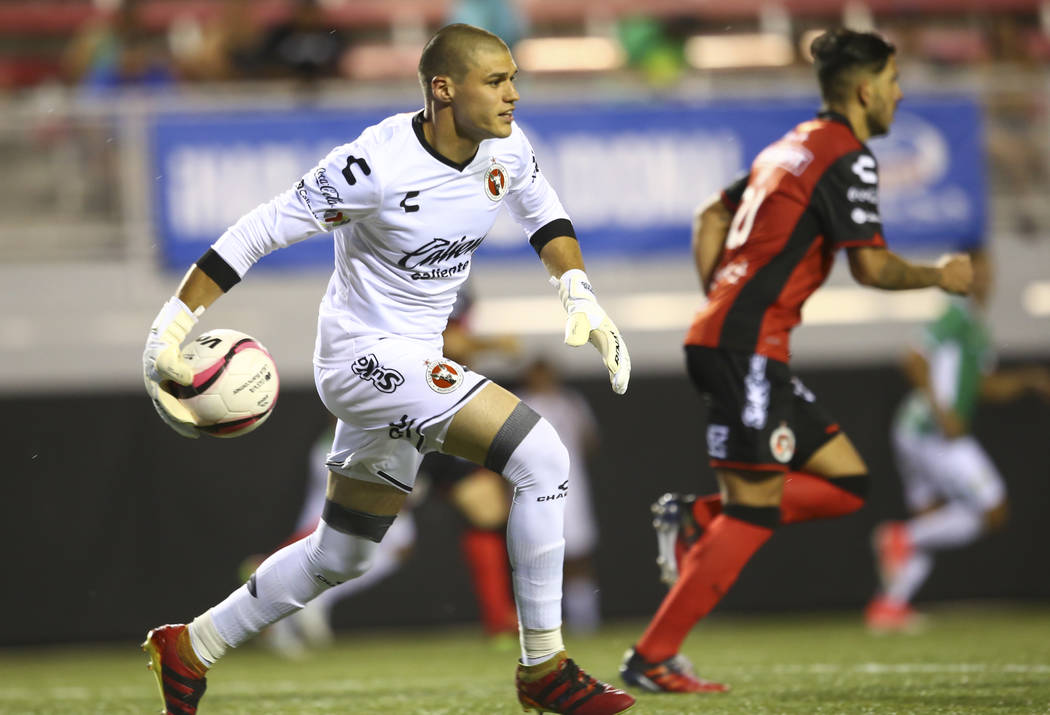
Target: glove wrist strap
[574, 286]
[570, 275]
[175, 320]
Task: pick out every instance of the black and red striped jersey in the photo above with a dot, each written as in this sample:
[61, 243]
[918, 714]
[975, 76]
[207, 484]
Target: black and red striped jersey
[807, 194]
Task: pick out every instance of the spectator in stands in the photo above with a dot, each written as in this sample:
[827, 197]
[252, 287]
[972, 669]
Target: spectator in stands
[116, 52]
[1016, 127]
[222, 46]
[304, 47]
[503, 18]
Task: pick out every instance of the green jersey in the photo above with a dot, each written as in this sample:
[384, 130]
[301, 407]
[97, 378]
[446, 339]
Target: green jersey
[958, 353]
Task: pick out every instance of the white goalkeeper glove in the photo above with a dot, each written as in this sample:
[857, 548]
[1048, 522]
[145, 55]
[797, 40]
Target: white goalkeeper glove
[588, 322]
[162, 360]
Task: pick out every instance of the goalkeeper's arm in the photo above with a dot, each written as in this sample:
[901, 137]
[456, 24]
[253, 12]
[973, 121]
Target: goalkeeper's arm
[162, 360]
[204, 282]
[587, 322]
[198, 290]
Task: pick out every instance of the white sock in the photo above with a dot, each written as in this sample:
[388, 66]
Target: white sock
[385, 561]
[951, 525]
[290, 578]
[539, 469]
[581, 604]
[910, 577]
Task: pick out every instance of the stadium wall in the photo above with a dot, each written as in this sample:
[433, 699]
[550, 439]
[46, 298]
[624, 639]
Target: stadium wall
[113, 524]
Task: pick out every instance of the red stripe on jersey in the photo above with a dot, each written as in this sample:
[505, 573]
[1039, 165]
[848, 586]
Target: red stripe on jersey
[745, 466]
[878, 241]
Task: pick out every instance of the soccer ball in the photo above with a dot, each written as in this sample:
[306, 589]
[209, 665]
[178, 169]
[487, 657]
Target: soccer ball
[234, 385]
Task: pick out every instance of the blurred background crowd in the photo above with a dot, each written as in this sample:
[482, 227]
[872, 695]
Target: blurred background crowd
[57, 52]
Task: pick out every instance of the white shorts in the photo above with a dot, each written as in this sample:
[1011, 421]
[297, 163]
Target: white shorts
[936, 469]
[394, 399]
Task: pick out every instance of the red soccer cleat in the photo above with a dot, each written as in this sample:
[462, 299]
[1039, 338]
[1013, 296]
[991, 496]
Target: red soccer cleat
[885, 616]
[567, 689]
[893, 548]
[674, 675]
[181, 685]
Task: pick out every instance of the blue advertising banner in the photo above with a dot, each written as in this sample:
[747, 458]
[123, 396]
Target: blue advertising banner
[629, 174]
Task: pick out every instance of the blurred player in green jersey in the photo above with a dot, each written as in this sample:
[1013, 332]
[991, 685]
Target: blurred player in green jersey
[951, 486]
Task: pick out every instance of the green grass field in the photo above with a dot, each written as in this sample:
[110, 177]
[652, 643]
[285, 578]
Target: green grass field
[968, 660]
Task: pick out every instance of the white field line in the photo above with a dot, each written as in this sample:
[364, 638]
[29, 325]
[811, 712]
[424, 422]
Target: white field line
[62, 693]
[905, 668]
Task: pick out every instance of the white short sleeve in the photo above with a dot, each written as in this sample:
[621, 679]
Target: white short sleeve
[531, 200]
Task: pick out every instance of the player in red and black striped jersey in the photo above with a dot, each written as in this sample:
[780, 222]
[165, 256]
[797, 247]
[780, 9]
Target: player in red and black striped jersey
[762, 247]
[808, 194]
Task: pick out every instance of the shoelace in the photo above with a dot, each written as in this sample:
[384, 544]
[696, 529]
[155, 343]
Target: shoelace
[667, 671]
[575, 680]
[576, 677]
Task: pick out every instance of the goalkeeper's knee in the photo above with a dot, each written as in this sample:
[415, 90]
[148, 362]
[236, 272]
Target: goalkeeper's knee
[342, 546]
[529, 453]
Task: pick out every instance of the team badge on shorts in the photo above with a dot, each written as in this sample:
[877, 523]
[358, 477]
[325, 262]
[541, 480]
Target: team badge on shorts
[444, 376]
[496, 181]
[782, 443]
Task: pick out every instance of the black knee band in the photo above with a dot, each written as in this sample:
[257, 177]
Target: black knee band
[518, 424]
[357, 523]
[856, 484]
[767, 517]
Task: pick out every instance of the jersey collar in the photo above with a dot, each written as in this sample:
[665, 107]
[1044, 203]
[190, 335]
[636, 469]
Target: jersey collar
[417, 127]
[831, 116]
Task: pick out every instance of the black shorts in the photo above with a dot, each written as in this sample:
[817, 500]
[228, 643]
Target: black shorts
[761, 417]
[444, 471]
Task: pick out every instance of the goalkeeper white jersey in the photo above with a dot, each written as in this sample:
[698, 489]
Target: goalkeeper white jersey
[406, 222]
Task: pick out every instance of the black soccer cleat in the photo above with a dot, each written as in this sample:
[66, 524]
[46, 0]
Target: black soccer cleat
[674, 675]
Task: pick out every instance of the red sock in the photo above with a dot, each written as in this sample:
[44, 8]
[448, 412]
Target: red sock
[707, 571]
[486, 554]
[806, 497]
[704, 510]
[707, 508]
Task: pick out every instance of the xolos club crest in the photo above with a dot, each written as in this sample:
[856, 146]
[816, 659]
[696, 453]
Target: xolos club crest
[497, 181]
[782, 443]
[443, 376]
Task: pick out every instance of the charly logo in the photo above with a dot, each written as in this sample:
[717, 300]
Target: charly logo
[384, 379]
[782, 443]
[756, 389]
[496, 181]
[444, 376]
[801, 390]
[402, 428]
[563, 491]
[717, 441]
